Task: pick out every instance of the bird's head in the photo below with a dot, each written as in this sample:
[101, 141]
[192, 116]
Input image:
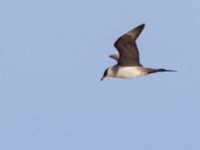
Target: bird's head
[105, 74]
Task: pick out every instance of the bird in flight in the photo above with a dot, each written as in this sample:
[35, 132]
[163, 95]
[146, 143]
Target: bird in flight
[128, 61]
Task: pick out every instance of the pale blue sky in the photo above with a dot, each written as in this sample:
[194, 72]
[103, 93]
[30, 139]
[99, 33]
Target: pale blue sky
[53, 54]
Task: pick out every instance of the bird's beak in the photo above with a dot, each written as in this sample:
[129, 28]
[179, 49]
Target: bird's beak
[102, 78]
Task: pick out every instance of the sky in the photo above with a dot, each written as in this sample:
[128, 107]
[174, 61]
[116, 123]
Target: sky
[53, 54]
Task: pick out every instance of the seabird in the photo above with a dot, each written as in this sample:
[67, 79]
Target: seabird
[128, 62]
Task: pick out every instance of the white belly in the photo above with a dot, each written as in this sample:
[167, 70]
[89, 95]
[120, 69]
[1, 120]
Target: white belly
[130, 72]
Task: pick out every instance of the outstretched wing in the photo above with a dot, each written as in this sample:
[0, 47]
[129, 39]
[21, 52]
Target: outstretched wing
[127, 48]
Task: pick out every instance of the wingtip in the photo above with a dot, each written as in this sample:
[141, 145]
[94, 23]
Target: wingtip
[114, 56]
[142, 25]
[135, 32]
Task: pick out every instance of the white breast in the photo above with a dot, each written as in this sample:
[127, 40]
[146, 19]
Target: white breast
[130, 72]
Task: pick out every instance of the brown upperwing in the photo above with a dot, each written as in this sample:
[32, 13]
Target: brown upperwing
[129, 54]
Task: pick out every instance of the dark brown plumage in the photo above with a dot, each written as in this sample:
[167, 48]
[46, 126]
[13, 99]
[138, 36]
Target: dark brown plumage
[129, 65]
[127, 48]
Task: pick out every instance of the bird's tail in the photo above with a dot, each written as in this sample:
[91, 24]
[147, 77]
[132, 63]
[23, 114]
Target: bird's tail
[161, 70]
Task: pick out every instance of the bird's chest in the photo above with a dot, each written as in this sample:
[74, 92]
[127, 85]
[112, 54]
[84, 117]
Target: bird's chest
[130, 72]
